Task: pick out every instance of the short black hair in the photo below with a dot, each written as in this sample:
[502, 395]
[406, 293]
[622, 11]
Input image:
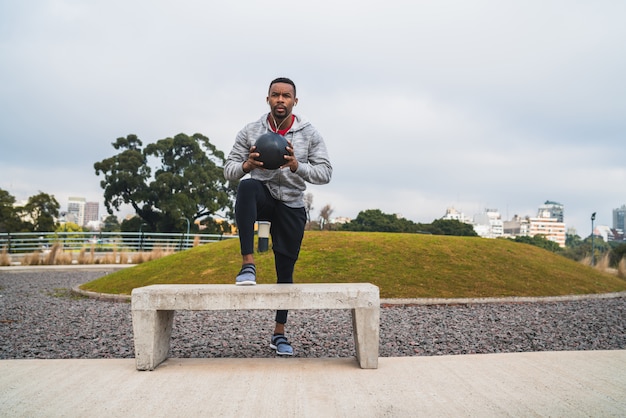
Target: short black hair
[284, 80]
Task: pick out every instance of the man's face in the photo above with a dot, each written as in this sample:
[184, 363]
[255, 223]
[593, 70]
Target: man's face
[281, 99]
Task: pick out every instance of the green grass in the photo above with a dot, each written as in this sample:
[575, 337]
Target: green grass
[402, 265]
[61, 292]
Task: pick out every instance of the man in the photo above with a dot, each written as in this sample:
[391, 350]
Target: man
[276, 196]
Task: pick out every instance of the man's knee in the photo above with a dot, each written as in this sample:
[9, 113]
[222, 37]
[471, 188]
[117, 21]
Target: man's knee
[247, 186]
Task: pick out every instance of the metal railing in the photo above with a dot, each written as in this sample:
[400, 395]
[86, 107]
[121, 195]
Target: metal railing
[30, 242]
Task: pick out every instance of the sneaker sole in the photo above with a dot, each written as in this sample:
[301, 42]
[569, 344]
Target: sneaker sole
[273, 347]
[246, 283]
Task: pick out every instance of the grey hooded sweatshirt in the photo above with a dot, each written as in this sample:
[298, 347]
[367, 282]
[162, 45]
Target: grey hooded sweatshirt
[309, 148]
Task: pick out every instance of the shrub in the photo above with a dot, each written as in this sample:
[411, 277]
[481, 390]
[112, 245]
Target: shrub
[621, 268]
[138, 258]
[5, 259]
[32, 259]
[108, 258]
[50, 258]
[82, 257]
[603, 263]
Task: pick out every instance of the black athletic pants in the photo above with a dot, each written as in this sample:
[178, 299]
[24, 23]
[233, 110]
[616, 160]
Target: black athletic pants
[255, 203]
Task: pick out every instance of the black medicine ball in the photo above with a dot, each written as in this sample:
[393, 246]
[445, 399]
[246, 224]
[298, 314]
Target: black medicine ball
[271, 147]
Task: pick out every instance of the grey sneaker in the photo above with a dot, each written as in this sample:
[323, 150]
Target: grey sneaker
[281, 345]
[246, 276]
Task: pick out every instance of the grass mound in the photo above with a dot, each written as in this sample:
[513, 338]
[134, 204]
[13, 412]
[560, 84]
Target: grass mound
[402, 265]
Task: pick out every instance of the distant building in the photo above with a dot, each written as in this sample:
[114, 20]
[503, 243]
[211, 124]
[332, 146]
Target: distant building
[82, 213]
[516, 227]
[551, 210]
[619, 219]
[549, 223]
[489, 224]
[605, 232]
[550, 228]
[454, 215]
[91, 213]
[618, 234]
[76, 210]
[94, 225]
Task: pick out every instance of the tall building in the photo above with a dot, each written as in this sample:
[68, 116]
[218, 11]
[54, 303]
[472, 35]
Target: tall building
[551, 210]
[76, 210]
[550, 228]
[488, 224]
[619, 219]
[517, 227]
[549, 223]
[91, 212]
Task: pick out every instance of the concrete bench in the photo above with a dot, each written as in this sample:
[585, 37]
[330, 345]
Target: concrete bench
[153, 311]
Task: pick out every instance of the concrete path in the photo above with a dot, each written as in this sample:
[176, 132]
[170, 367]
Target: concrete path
[556, 384]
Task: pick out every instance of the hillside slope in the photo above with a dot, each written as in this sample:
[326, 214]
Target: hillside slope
[402, 265]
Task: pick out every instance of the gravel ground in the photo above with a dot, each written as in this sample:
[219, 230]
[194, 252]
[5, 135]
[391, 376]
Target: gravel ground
[40, 318]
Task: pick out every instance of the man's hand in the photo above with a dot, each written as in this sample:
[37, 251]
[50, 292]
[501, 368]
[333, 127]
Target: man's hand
[290, 160]
[251, 163]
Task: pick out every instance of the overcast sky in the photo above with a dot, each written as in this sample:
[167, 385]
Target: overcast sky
[424, 105]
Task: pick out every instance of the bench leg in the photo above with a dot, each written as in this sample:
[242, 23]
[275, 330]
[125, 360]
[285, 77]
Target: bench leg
[365, 327]
[152, 331]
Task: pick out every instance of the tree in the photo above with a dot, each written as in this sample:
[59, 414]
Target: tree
[374, 220]
[69, 227]
[618, 253]
[125, 175]
[43, 209]
[451, 227]
[308, 205]
[596, 247]
[575, 247]
[188, 182]
[9, 216]
[135, 224]
[111, 224]
[540, 241]
[325, 216]
[217, 226]
[572, 240]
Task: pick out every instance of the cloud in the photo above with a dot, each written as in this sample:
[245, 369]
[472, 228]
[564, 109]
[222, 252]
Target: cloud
[424, 105]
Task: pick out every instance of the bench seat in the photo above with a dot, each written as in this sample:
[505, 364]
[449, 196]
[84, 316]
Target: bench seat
[153, 310]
